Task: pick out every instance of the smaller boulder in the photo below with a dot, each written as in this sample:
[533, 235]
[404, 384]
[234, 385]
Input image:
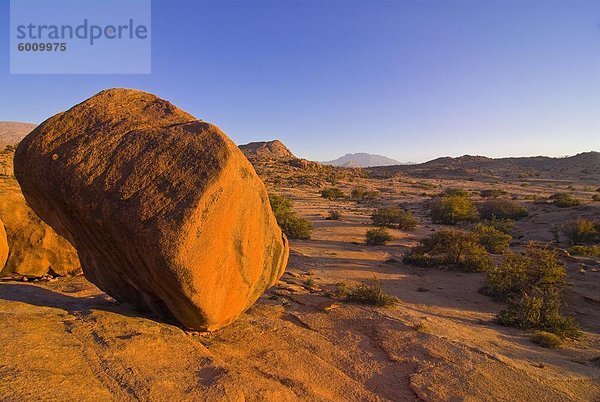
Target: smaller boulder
[3, 246]
[35, 248]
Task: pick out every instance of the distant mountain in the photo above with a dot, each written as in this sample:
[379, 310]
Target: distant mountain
[267, 150]
[584, 165]
[362, 160]
[11, 132]
[585, 160]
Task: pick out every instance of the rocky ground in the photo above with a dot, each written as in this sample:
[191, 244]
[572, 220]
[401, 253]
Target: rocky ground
[65, 340]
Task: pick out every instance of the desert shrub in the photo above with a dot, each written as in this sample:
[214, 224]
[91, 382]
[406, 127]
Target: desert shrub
[358, 192]
[539, 311]
[590, 251]
[280, 204]
[332, 193]
[292, 226]
[334, 215]
[492, 193]
[370, 293]
[450, 247]
[494, 240]
[296, 228]
[532, 283]
[504, 225]
[454, 192]
[370, 195]
[580, 230]
[310, 282]
[546, 339]
[476, 260]
[520, 272]
[421, 327]
[378, 237]
[501, 209]
[423, 185]
[564, 200]
[341, 290]
[452, 209]
[394, 217]
[419, 258]
[362, 194]
[596, 197]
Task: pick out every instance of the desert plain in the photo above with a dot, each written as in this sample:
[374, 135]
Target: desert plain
[64, 339]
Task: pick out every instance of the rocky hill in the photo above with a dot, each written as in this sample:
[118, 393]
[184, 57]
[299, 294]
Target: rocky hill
[11, 132]
[275, 150]
[278, 166]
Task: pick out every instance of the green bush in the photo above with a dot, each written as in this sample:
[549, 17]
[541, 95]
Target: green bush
[450, 247]
[454, 192]
[494, 240]
[422, 327]
[362, 194]
[539, 311]
[296, 228]
[504, 225]
[532, 283]
[378, 237]
[281, 205]
[371, 294]
[452, 209]
[370, 195]
[501, 209]
[564, 200]
[492, 193]
[332, 193]
[581, 230]
[334, 215]
[358, 192]
[394, 217]
[590, 251]
[520, 272]
[477, 259]
[341, 290]
[292, 226]
[546, 339]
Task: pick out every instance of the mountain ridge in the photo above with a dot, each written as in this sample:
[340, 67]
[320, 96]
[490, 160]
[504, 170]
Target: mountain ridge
[11, 132]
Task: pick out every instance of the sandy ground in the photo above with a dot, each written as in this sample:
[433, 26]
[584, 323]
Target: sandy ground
[66, 340]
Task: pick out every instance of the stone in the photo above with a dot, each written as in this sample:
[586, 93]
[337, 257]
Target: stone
[35, 248]
[164, 210]
[3, 246]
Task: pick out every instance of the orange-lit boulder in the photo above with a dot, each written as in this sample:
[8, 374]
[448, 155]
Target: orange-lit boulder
[164, 210]
[3, 246]
[35, 249]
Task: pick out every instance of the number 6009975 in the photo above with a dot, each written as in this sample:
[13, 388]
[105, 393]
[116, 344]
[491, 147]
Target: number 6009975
[42, 47]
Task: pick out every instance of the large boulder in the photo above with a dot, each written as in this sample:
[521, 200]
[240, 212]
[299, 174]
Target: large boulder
[3, 246]
[164, 210]
[35, 248]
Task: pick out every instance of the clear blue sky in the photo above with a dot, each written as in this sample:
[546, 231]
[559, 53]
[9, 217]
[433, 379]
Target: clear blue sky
[412, 80]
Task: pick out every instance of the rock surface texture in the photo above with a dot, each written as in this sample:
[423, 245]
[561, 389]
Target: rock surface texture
[164, 210]
[35, 249]
[3, 246]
